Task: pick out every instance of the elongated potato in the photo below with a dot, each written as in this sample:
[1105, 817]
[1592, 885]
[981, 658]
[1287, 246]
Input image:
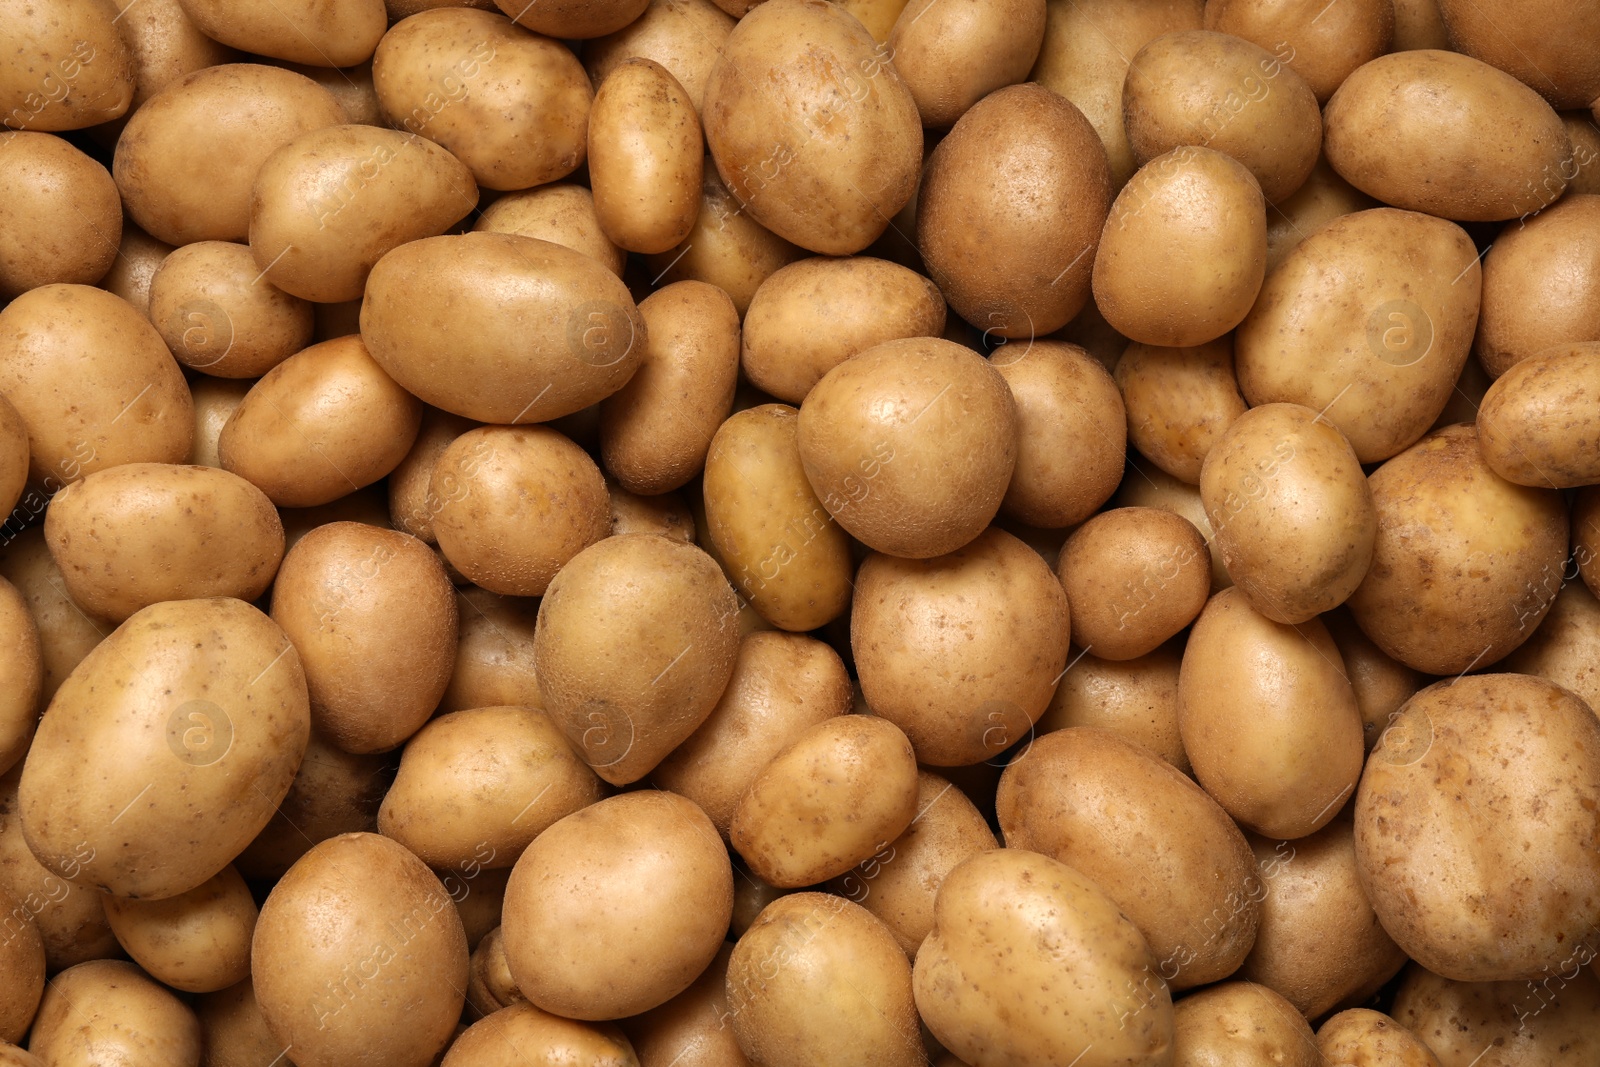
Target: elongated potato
[646, 157]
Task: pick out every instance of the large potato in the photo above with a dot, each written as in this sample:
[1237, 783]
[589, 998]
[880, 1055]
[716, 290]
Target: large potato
[646, 157]
[727, 247]
[963, 52]
[218, 315]
[1321, 43]
[684, 36]
[197, 941]
[1553, 49]
[1538, 424]
[109, 1011]
[1541, 284]
[60, 216]
[302, 31]
[66, 66]
[1241, 1024]
[1503, 1024]
[21, 675]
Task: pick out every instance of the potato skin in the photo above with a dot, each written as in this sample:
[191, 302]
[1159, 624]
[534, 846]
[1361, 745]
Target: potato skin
[108, 1010]
[1565, 648]
[511, 1035]
[1243, 1025]
[1134, 577]
[218, 315]
[1541, 284]
[1136, 699]
[561, 213]
[1323, 46]
[684, 36]
[646, 157]
[691, 1029]
[1550, 49]
[22, 955]
[1544, 1024]
[1361, 1037]
[21, 676]
[1537, 425]
[964, 52]
[60, 215]
[68, 66]
[1180, 401]
[301, 31]
[197, 941]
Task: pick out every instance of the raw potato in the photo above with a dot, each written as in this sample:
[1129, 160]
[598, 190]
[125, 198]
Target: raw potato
[963, 52]
[233, 1029]
[684, 36]
[1381, 684]
[1555, 50]
[22, 956]
[373, 616]
[1322, 46]
[60, 216]
[939, 657]
[1468, 903]
[618, 908]
[838, 794]
[197, 710]
[1584, 132]
[197, 941]
[360, 905]
[108, 1011]
[646, 157]
[1541, 284]
[1418, 24]
[364, 505]
[1243, 1025]
[1052, 972]
[561, 213]
[1495, 150]
[841, 995]
[735, 252]
[489, 983]
[574, 19]
[494, 656]
[1136, 699]
[218, 314]
[522, 1034]
[66, 633]
[302, 31]
[1179, 401]
[136, 262]
[1565, 649]
[21, 676]
[1134, 577]
[66, 66]
[1010, 211]
[1361, 1037]
[219, 122]
[1538, 425]
[691, 1029]
[1324, 197]
[351, 86]
[1503, 1024]
[1585, 526]
[666, 514]
[412, 503]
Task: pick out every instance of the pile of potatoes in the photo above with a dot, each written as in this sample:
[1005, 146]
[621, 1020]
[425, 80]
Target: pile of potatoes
[898, 533]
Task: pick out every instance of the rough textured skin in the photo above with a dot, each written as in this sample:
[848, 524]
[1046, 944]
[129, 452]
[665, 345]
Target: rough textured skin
[1537, 425]
[1321, 44]
[1241, 1024]
[1541, 284]
[1552, 48]
[1549, 1023]
[1361, 1037]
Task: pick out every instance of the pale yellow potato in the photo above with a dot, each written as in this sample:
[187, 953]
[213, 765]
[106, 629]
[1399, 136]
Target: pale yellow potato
[1361, 1037]
[66, 65]
[778, 544]
[1320, 44]
[834, 797]
[413, 505]
[937, 655]
[684, 36]
[1134, 578]
[1183, 252]
[351, 86]
[218, 314]
[1541, 284]
[60, 215]
[963, 52]
[360, 904]
[1381, 683]
[1243, 1025]
[489, 983]
[1010, 211]
[617, 908]
[691, 1029]
[1503, 1024]
[1324, 197]
[667, 514]
[329, 204]
[841, 996]
[197, 941]
[1135, 699]
[165, 44]
[1051, 972]
[494, 656]
[22, 955]
[66, 631]
[1553, 49]
[811, 127]
[187, 159]
[1418, 24]
[136, 262]
[1537, 425]
[782, 685]
[646, 157]
[522, 1034]
[302, 31]
[1179, 401]
[561, 213]
[1368, 321]
[108, 1011]
[135, 535]
[1269, 719]
[1495, 149]
[233, 1030]
[21, 677]
[1465, 564]
[512, 105]
[1565, 648]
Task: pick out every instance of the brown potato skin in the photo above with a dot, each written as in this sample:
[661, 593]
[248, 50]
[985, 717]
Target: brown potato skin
[1136, 699]
[489, 983]
[1543, 1024]
[575, 19]
[561, 213]
[301, 31]
[691, 1029]
[233, 1031]
[22, 955]
[1553, 50]
[684, 36]
[494, 655]
[1361, 1037]
[21, 675]
[60, 215]
[137, 260]
[197, 941]
[1324, 197]
[510, 1035]
[412, 503]
[646, 157]
[109, 1011]
[1565, 648]
[964, 52]
[727, 247]
[1585, 526]
[1241, 1024]
[1381, 684]
[68, 66]
[1535, 426]
[1541, 284]
[215, 401]
[1320, 45]
[1134, 577]
[1179, 401]
[218, 315]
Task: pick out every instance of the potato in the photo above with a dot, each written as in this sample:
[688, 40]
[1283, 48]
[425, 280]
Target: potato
[1585, 527]
[233, 1029]
[1135, 699]
[1049, 936]
[1381, 684]
[1134, 577]
[735, 253]
[1268, 718]
[684, 36]
[1022, 171]
[665, 513]
[1456, 758]
[220, 122]
[782, 686]
[109, 1011]
[364, 505]
[362, 925]
[1447, 590]
[574, 19]
[164, 45]
[22, 954]
[669, 607]
[1550, 49]
[1541, 285]
[1324, 197]
[840, 992]
[646, 157]
[522, 1034]
[412, 503]
[1368, 321]
[1563, 647]
[1244, 1025]
[489, 983]
[301, 31]
[964, 52]
[1179, 402]
[898, 486]
[561, 213]
[135, 535]
[218, 314]
[351, 86]
[811, 316]
[811, 128]
[1361, 1037]
[66, 632]
[484, 783]
[21, 678]
[1502, 1024]
[939, 658]
[1203, 211]
[479, 297]
[1323, 51]
[1495, 149]
[584, 894]
[750, 898]
[511, 105]
[1072, 436]
[1215, 90]
[93, 383]
[1536, 419]
[67, 66]
[339, 596]
[479, 894]
[1418, 24]
[326, 421]
[60, 217]
[329, 204]
[494, 656]
[1585, 136]
[135, 264]
[197, 941]
[691, 1029]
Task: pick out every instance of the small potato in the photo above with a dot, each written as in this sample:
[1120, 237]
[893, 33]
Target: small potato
[561, 213]
[22, 956]
[217, 313]
[1072, 434]
[1551, 49]
[329, 204]
[494, 656]
[617, 908]
[135, 264]
[512, 105]
[1541, 284]
[66, 67]
[197, 941]
[691, 1029]
[1184, 249]
[1320, 45]
[646, 157]
[1180, 401]
[574, 19]
[842, 995]
[1243, 1025]
[1134, 577]
[321, 424]
[1538, 424]
[233, 1029]
[839, 793]
[1268, 718]
[489, 983]
[779, 545]
[963, 52]
[108, 1011]
[1225, 93]
[373, 616]
[1565, 649]
[484, 782]
[1324, 197]
[665, 513]
[351, 86]
[939, 657]
[684, 36]
[1025, 172]
[522, 1034]
[782, 685]
[1418, 24]
[727, 247]
[222, 122]
[60, 216]
[1503, 1024]
[412, 503]
[165, 45]
[21, 679]
[1381, 684]
[811, 316]
[1135, 699]
[66, 631]
[302, 31]
[1361, 1037]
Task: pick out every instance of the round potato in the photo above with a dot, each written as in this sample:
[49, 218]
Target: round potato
[1541, 284]
[66, 631]
[1324, 197]
[963, 52]
[494, 656]
[67, 66]
[1553, 50]
[301, 31]
[1322, 46]
[684, 36]
[646, 157]
[135, 264]
[1361, 1037]
[197, 941]
[109, 1011]
[1135, 699]
[1381, 684]
[217, 313]
[233, 1029]
[412, 503]
[165, 45]
[1535, 425]
[1243, 1025]
[561, 213]
[60, 216]
[522, 1034]
[1502, 1024]
[1180, 401]
[691, 1029]
[574, 19]
[1134, 577]
[22, 955]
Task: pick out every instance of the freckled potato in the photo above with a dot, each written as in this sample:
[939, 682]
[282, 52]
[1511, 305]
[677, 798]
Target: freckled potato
[135, 535]
[197, 941]
[684, 36]
[226, 121]
[1134, 577]
[302, 31]
[1565, 649]
[1135, 699]
[60, 216]
[22, 955]
[67, 66]
[646, 157]
[512, 105]
[1180, 401]
[1022, 170]
[66, 631]
[135, 264]
[935, 657]
[494, 656]
[217, 313]
[665, 513]
[1324, 197]
[1243, 1025]
[412, 504]
[1541, 284]
[840, 993]
[1551, 49]
[1320, 44]
[691, 1029]
[727, 247]
[963, 52]
[108, 1010]
[522, 1034]
[489, 983]
[1361, 1037]
[21, 678]
[233, 1030]
[1537, 425]
[1503, 1024]
[561, 213]
[1381, 684]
